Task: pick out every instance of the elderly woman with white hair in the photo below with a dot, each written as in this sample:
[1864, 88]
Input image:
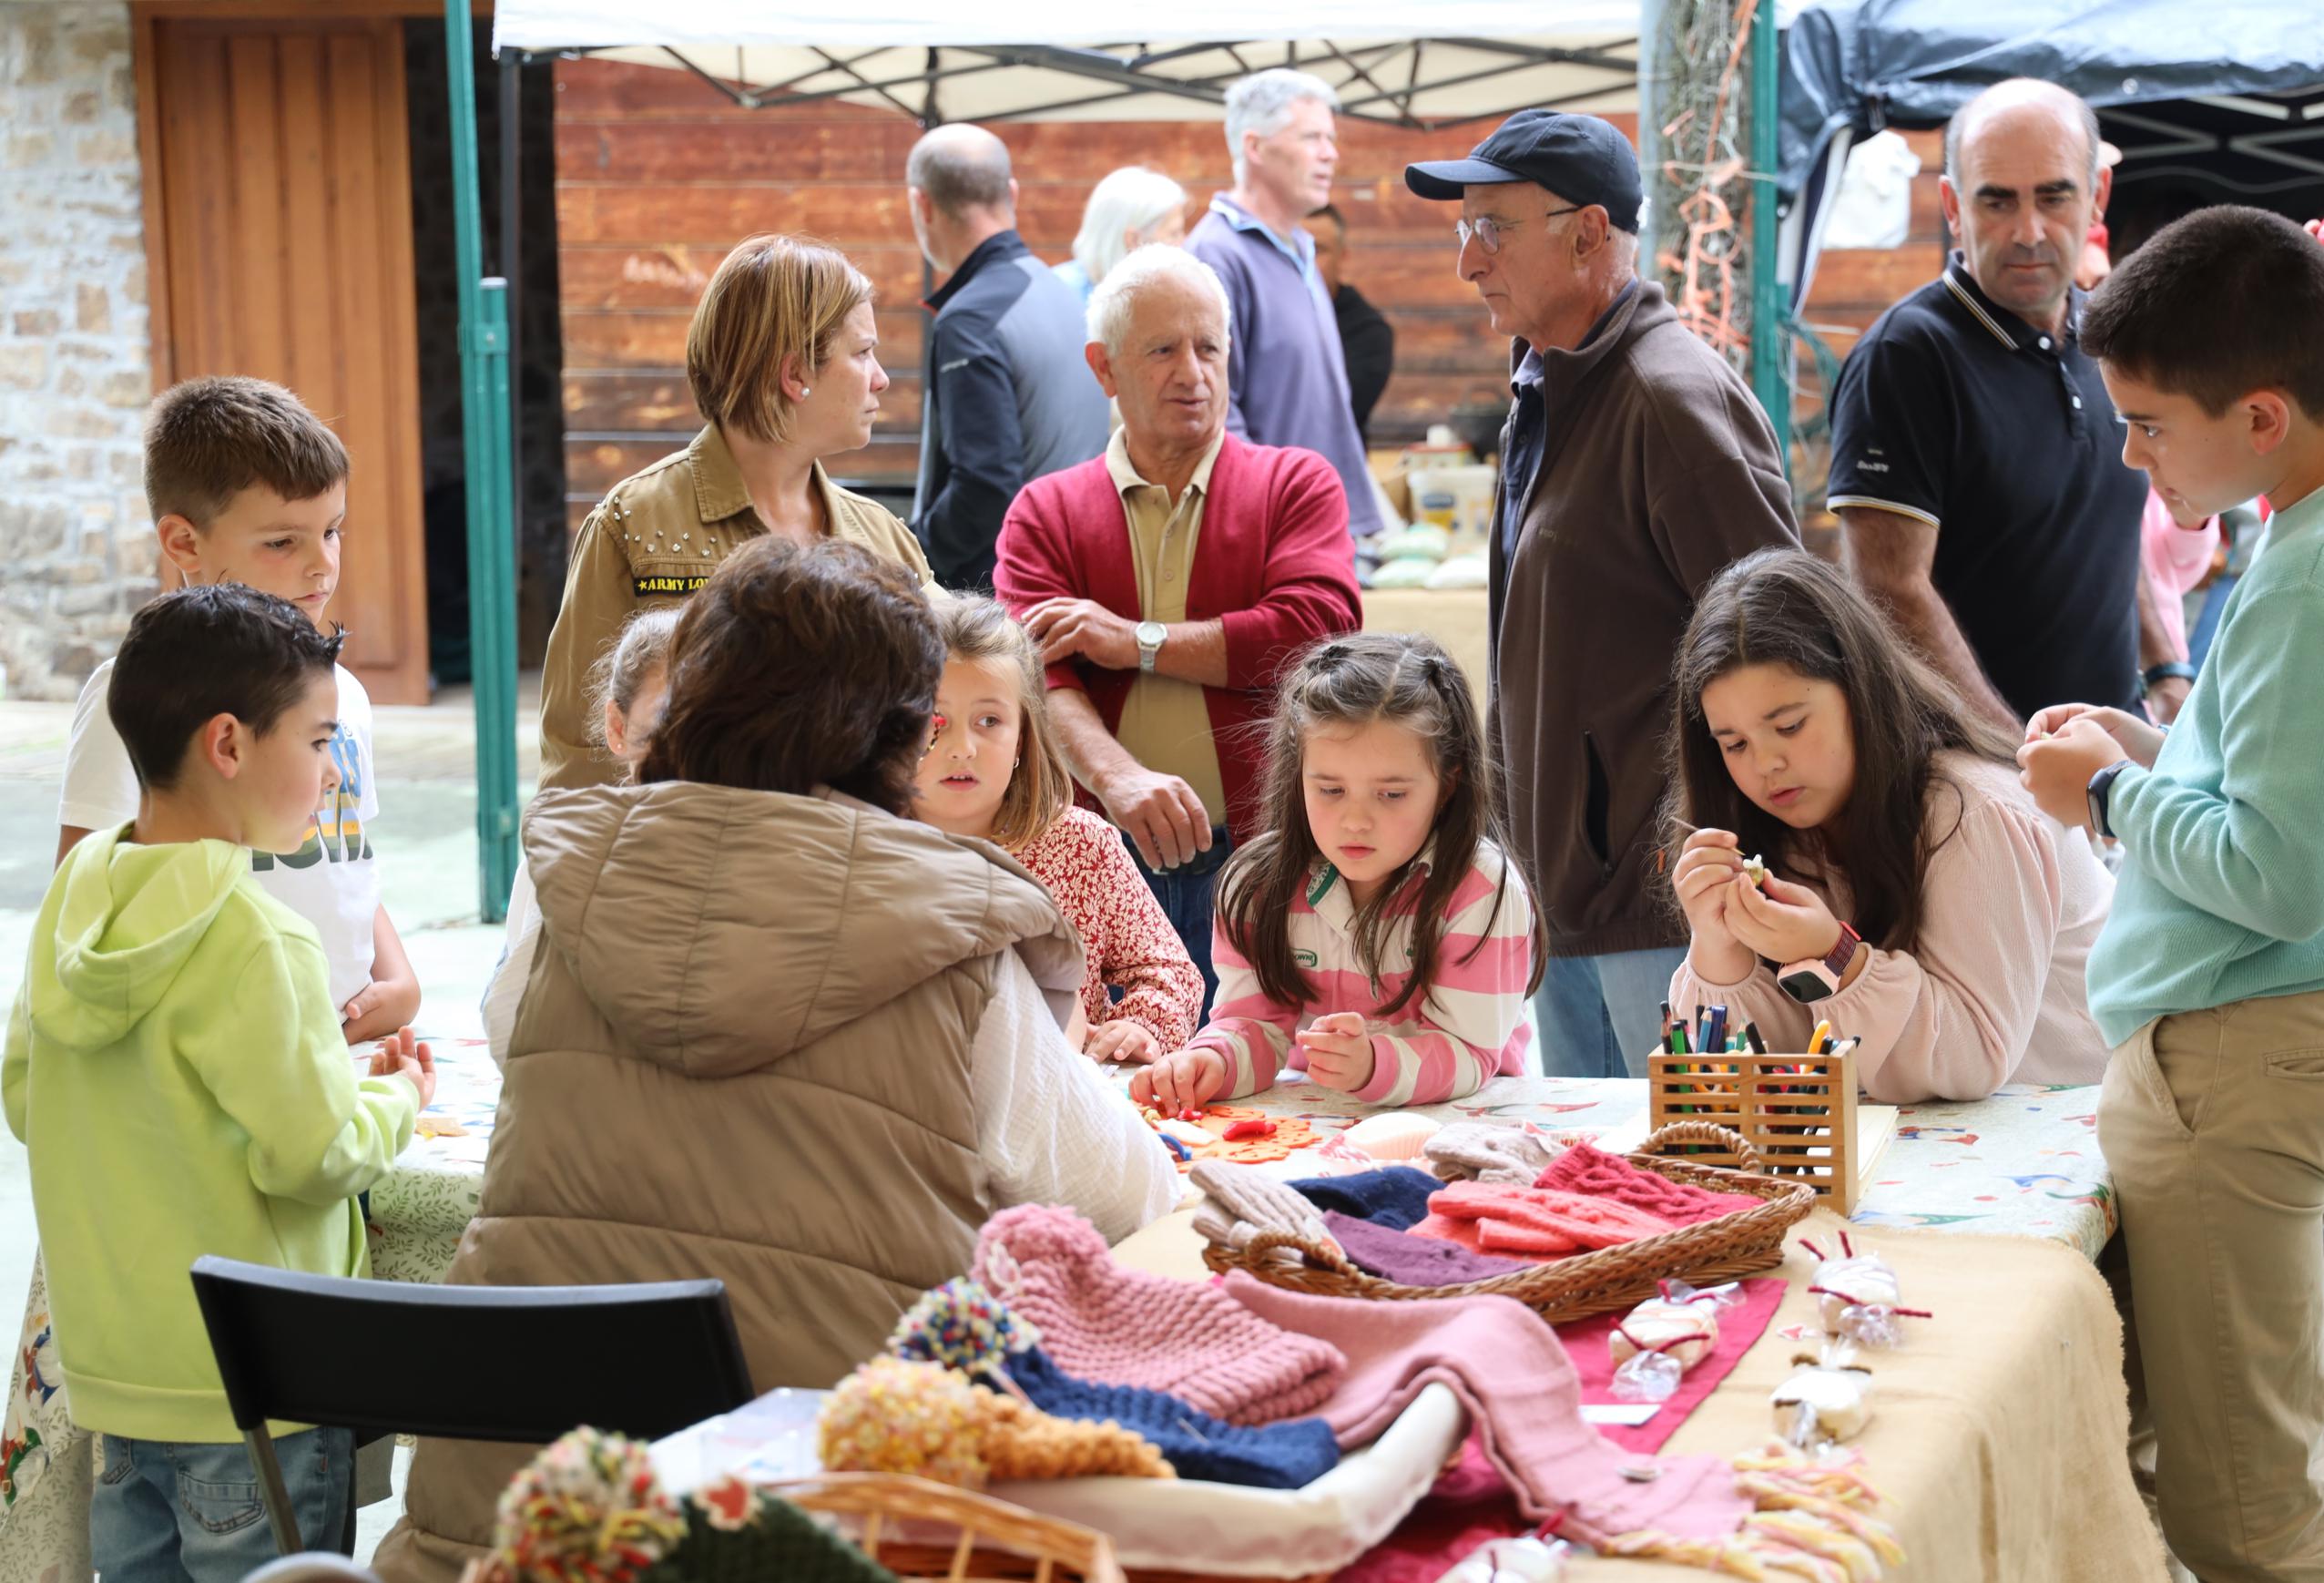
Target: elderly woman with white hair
[1131, 208]
[1170, 581]
[1288, 379]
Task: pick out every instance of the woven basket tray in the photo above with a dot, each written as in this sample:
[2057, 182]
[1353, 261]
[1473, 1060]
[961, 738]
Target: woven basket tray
[1743, 1243]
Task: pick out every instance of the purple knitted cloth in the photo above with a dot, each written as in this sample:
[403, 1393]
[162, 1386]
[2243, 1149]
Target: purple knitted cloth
[1411, 1261]
[1113, 1326]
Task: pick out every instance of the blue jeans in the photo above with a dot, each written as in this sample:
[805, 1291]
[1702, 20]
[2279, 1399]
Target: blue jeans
[1599, 1016]
[166, 1512]
[1185, 892]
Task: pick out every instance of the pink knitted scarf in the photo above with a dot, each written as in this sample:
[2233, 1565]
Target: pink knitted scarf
[1584, 1170]
[1117, 1326]
[1492, 1216]
[1523, 1398]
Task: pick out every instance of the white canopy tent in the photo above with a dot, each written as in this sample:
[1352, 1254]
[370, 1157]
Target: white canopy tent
[944, 63]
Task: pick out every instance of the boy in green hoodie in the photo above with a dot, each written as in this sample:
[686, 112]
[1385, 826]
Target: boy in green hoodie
[174, 1066]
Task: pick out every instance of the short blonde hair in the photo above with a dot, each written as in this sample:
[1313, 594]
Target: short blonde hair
[620, 673]
[1042, 788]
[774, 297]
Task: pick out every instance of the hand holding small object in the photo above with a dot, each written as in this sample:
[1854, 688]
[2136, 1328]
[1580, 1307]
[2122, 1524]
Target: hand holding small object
[1123, 1041]
[2056, 769]
[1781, 920]
[2140, 742]
[1704, 879]
[1188, 1079]
[1339, 1051]
[399, 1053]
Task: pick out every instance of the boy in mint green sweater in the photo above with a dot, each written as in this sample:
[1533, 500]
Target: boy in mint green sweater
[173, 1063]
[2209, 978]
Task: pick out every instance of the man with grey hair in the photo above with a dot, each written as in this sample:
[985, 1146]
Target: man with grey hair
[1635, 466]
[1976, 460]
[1170, 582]
[1007, 396]
[1287, 377]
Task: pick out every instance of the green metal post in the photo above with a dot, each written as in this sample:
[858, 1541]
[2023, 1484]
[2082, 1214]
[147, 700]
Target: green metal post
[1771, 341]
[492, 538]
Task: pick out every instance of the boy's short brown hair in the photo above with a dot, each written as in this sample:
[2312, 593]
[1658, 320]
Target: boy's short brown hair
[2226, 301]
[207, 440]
[774, 297]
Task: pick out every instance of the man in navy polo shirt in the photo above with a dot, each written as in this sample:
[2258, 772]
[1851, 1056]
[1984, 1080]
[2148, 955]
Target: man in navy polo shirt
[1287, 381]
[1976, 460]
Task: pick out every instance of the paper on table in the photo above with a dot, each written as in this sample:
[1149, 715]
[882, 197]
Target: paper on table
[769, 1439]
[1629, 1414]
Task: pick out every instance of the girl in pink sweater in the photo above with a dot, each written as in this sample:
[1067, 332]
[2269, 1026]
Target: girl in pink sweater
[994, 773]
[1915, 896]
[1374, 935]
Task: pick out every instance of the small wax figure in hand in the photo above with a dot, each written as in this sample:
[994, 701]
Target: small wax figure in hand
[1374, 935]
[993, 771]
[1806, 732]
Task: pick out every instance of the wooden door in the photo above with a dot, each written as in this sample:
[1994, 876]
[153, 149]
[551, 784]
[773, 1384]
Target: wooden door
[279, 235]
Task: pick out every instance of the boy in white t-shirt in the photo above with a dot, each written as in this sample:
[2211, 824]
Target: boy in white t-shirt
[248, 487]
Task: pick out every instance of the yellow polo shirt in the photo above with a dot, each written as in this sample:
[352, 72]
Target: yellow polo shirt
[1165, 722]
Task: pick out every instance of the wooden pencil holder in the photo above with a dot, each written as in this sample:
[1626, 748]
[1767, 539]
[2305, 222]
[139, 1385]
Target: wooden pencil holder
[1798, 1111]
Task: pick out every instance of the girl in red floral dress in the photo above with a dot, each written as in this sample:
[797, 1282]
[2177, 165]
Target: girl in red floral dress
[993, 771]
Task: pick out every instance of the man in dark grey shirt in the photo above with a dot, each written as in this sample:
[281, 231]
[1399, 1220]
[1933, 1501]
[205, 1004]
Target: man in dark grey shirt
[1009, 395]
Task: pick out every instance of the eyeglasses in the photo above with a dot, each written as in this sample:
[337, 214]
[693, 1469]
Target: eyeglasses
[1487, 231]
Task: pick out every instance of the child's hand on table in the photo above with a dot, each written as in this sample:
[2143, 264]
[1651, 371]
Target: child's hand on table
[1124, 1041]
[1187, 1080]
[400, 1052]
[1339, 1051]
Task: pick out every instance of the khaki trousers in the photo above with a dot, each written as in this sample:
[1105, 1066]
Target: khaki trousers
[2213, 1128]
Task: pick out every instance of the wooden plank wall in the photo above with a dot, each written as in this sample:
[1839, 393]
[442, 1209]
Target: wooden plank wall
[658, 176]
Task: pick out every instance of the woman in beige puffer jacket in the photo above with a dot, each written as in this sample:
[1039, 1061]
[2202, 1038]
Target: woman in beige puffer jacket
[775, 1032]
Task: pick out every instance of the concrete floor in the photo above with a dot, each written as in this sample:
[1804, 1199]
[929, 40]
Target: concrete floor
[427, 844]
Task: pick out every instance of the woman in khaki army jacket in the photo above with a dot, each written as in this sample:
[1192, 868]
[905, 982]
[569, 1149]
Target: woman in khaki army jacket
[783, 359]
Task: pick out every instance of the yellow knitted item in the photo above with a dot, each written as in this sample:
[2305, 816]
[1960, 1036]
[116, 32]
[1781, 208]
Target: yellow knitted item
[893, 1417]
[1023, 1442]
[1814, 1521]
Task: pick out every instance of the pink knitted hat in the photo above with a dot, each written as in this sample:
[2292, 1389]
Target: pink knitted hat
[1587, 1170]
[1101, 1323]
[1497, 1218]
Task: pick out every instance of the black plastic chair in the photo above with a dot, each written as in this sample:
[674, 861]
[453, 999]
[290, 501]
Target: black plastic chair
[511, 1364]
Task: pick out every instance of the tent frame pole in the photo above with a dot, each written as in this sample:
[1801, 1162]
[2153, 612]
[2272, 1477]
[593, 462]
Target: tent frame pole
[484, 417]
[1771, 340]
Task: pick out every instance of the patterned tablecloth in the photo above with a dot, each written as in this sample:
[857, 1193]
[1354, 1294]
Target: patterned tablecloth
[2025, 1162]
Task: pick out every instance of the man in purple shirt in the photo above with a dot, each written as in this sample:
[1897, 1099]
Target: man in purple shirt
[1287, 378]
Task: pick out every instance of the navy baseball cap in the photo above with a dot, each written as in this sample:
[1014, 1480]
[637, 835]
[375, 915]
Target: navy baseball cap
[1581, 159]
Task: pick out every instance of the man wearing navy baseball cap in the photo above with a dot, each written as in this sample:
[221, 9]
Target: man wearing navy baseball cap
[1635, 464]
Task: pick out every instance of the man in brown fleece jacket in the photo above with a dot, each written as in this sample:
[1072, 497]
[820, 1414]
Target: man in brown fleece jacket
[1634, 465]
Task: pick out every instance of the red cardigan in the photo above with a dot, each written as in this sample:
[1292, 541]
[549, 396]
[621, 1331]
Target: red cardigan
[1274, 566]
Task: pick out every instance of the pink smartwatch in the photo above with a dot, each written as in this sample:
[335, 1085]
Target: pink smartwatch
[1818, 978]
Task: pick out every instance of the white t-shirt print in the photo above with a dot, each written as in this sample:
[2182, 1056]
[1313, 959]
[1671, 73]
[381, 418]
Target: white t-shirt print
[332, 881]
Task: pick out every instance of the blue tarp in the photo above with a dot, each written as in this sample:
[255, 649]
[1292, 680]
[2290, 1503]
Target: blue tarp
[1869, 64]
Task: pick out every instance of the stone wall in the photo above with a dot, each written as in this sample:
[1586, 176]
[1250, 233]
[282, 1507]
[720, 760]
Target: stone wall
[76, 544]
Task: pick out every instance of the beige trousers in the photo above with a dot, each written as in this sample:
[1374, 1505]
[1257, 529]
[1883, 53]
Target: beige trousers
[2213, 1128]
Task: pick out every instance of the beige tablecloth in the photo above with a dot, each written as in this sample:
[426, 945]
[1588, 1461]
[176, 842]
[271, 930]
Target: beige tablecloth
[1998, 1430]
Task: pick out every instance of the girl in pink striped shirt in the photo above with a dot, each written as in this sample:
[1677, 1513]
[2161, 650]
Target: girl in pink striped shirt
[1375, 936]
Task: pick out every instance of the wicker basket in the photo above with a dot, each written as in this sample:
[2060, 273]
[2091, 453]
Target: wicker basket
[992, 1542]
[1743, 1243]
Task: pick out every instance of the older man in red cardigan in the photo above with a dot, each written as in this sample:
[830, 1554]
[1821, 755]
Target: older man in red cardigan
[1170, 581]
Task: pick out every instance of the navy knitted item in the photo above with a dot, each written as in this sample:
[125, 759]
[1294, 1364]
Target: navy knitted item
[1395, 1196]
[1285, 1455]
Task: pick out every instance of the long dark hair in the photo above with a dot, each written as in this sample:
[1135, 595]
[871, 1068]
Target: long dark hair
[1354, 681]
[1785, 606]
[797, 667]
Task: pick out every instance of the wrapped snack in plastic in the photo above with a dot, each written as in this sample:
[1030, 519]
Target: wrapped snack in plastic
[1825, 1398]
[1518, 1561]
[1684, 1331]
[1857, 1296]
[1647, 1378]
